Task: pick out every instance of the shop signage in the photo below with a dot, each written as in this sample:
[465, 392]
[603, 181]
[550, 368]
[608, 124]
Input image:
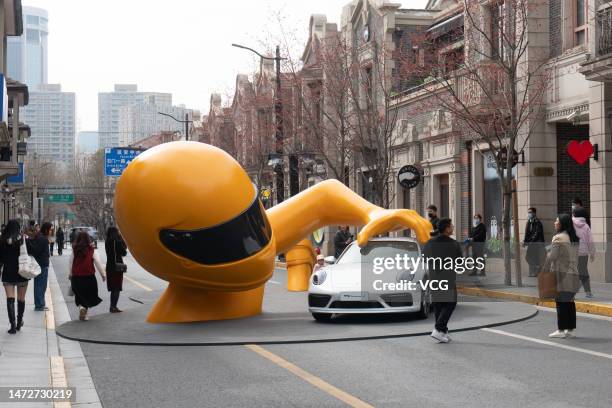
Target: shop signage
[409, 177]
[581, 152]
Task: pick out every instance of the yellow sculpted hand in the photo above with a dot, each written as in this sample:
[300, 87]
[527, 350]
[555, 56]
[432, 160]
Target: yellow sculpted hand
[382, 221]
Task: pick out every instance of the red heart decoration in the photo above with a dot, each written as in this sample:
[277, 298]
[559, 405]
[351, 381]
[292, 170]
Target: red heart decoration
[580, 151]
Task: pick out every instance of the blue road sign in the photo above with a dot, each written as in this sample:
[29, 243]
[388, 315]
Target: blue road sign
[116, 159]
[19, 178]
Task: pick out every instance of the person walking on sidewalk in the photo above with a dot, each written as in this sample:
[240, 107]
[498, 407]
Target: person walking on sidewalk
[443, 247]
[59, 238]
[578, 210]
[10, 244]
[51, 240]
[586, 250]
[562, 259]
[432, 214]
[84, 261]
[38, 247]
[534, 241]
[115, 251]
[476, 239]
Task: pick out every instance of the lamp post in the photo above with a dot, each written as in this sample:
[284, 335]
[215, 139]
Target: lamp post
[278, 110]
[186, 122]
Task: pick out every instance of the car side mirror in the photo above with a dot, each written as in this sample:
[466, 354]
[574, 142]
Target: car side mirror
[330, 260]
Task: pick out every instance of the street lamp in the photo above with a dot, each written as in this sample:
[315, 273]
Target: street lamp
[186, 122]
[278, 109]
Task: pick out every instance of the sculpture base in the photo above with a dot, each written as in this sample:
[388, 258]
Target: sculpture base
[180, 304]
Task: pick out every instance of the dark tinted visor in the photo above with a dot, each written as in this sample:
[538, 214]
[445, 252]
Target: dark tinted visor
[237, 239]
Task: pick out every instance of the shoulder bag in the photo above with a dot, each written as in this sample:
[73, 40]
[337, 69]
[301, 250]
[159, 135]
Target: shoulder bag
[28, 267]
[119, 266]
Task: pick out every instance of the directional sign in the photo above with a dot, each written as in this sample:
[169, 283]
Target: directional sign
[60, 198]
[116, 159]
[19, 178]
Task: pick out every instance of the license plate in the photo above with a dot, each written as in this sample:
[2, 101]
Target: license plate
[354, 296]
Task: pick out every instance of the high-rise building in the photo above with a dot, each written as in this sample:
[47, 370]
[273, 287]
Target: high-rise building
[51, 116]
[87, 142]
[140, 120]
[109, 106]
[27, 54]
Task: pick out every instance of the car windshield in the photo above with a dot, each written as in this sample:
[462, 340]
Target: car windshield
[378, 249]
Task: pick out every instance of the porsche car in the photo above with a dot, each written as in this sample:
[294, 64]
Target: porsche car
[347, 285]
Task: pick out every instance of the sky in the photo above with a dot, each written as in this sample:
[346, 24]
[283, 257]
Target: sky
[180, 46]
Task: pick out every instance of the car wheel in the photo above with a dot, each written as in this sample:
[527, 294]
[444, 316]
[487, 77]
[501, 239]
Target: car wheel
[322, 317]
[425, 310]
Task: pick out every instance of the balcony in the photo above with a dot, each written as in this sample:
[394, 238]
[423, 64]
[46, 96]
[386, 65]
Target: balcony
[599, 67]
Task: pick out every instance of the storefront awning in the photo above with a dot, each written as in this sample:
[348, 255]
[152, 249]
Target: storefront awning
[446, 26]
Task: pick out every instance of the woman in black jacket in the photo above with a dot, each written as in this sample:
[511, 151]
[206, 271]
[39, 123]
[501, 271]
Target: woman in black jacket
[10, 244]
[115, 251]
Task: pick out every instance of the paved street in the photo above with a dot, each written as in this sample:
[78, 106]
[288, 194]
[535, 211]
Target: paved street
[507, 366]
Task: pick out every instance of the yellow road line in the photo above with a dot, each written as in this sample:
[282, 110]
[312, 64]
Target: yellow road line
[49, 314]
[140, 285]
[313, 380]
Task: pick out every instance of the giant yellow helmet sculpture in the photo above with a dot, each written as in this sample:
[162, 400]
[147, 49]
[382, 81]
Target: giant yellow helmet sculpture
[191, 216]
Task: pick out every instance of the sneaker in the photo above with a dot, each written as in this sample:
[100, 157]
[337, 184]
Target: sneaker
[82, 313]
[441, 337]
[448, 337]
[590, 295]
[558, 334]
[570, 333]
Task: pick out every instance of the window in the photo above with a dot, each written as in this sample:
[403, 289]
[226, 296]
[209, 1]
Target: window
[32, 20]
[580, 22]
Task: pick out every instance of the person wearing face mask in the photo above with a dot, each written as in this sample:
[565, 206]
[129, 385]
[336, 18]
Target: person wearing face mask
[432, 214]
[476, 239]
[578, 210]
[534, 241]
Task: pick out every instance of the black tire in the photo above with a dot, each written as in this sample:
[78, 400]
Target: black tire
[426, 308]
[322, 317]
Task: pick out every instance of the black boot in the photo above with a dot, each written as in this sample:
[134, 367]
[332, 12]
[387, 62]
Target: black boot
[10, 308]
[20, 310]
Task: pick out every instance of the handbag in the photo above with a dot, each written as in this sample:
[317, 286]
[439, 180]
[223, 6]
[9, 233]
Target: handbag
[119, 266]
[547, 285]
[28, 267]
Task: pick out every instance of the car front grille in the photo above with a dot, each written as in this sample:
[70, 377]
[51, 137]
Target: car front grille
[318, 300]
[398, 299]
[353, 304]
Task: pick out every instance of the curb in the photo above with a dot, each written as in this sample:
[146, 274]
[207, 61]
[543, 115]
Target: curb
[583, 307]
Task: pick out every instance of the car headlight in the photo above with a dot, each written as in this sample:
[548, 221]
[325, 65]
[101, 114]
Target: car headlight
[319, 277]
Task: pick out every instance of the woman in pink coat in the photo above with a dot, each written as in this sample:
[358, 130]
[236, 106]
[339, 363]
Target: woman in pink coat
[586, 250]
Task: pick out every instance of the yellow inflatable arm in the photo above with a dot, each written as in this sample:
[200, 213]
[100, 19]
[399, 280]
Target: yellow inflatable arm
[332, 203]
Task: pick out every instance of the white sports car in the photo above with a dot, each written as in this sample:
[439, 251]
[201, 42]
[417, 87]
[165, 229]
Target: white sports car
[348, 285]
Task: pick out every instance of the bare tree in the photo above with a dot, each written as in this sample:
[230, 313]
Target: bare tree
[486, 76]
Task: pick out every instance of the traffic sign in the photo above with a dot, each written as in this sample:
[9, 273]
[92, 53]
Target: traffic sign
[116, 159]
[60, 198]
[19, 178]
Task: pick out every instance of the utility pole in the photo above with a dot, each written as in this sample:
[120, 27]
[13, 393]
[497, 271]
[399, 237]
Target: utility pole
[186, 126]
[278, 109]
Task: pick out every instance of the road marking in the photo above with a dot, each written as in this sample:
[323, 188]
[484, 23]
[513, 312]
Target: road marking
[140, 285]
[274, 282]
[549, 343]
[306, 376]
[587, 315]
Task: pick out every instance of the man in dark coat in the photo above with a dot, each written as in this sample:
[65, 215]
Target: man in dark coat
[441, 254]
[432, 214]
[341, 240]
[476, 239]
[534, 241]
[59, 238]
